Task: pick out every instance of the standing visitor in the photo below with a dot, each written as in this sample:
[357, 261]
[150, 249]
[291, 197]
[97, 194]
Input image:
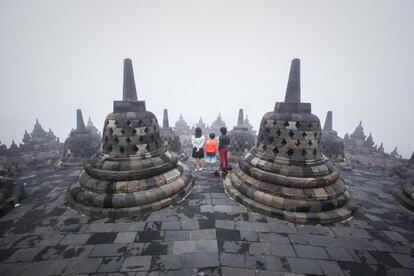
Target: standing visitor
[211, 149]
[224, 142]
[198, 149]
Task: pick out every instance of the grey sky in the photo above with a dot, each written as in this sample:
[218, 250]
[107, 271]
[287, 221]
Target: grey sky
[205, 57]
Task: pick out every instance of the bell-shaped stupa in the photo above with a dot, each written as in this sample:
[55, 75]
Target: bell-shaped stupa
[79, 146]
[332, 144]
[241, 138]
[168, 137]
[286, 175]
[133, 173]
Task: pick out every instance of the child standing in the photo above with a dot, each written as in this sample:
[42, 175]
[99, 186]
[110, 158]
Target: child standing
[211, 149]
[198, 149]
[224, 142]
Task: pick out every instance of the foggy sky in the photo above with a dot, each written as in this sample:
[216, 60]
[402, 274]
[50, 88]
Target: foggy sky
[200, 58]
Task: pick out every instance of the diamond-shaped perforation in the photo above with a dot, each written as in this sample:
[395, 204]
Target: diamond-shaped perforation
[121, 149]
[128, 123]
[315, 152]
[310, 143]
[111, 131]
[284, 142]
[298, 143]
[290, 152]
[286, 123]
[291, 134]
[275, 151]
[304, 134]
[128, 140]
[146, 129]
[304, 152]
[270, 140]
[122, 131]
[278, 132]
[298, 125]
[135, 149]
[264, 147]
[148, 147]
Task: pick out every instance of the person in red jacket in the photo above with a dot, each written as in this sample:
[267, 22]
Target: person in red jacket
[211, 148]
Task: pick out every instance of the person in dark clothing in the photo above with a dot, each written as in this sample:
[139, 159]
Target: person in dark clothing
[224, 142]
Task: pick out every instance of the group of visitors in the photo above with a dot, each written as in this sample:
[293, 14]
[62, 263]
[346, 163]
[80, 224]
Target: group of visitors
[206, 151]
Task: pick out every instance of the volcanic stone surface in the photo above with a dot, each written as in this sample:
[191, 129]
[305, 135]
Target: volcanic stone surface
[286, 175]
[207, 233]
[404, 193]
[80, 145]
[241, 138]
[133, 173]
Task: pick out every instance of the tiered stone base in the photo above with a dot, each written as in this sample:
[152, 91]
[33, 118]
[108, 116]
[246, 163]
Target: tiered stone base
[404, 193]
[118, 198]
[10, 194]
[321, 199]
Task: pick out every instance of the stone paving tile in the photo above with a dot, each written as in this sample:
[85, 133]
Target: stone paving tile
[234, 260]
[136, 263]
[311, 252]
[51, 267]
[71, 239]
[330, 268]
[78, 265]
[307, 266]
[103, 250]
[405, 260]
[231, 271]
[24, 255]
[125, 237]
[190, 260]
[111, 264]
[339, 254]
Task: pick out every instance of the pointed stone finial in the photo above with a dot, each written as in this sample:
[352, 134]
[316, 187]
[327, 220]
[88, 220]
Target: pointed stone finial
[165, 122]
[328, 121]
[37, 122]
[293, 87]
[129, 90]
[360, 123]
[240, 121]
[80, 125]
[181, 116]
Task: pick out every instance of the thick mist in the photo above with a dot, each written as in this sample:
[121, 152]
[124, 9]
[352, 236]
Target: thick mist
[200, 58]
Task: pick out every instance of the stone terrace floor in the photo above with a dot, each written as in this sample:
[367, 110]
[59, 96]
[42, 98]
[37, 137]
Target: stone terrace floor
[207, 234]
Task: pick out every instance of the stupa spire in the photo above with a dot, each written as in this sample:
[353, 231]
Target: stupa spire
[165, 122]
[240, 121]
[293, 87]
[80, 124]
[328, 121]
[129, 90]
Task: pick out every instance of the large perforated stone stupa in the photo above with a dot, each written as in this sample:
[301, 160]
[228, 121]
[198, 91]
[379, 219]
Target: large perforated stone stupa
[286, 175]
[133, 172]
[241, 138]
[80, 145]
